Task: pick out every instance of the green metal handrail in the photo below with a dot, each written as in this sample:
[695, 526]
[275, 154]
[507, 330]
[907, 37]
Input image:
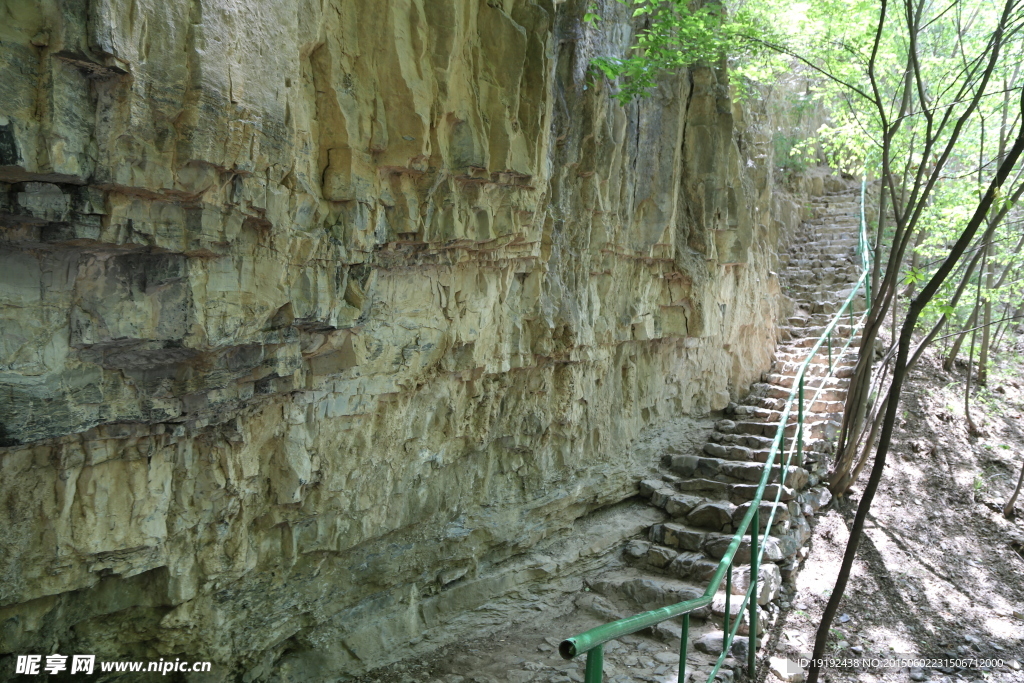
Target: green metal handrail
[592, 642]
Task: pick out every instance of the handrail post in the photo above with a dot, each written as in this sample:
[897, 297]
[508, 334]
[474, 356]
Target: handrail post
[682, 647]
[595, 665]
[799, 425]
[725, 619]
[830, 353]
[752, 619]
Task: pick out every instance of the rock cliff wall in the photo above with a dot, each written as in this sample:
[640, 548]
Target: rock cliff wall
[317, 317]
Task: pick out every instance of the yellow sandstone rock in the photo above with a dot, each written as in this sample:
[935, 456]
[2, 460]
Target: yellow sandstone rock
[317, 318]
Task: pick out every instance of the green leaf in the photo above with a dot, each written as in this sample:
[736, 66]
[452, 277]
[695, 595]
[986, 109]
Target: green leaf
[914, 275]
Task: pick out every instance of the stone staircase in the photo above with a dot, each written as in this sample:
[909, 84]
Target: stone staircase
[707, 493]
[701, 494]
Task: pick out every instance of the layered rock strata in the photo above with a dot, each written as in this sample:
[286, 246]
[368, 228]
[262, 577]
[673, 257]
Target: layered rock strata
[320, 321]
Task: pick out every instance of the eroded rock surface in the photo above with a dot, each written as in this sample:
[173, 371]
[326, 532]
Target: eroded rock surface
[320, 322]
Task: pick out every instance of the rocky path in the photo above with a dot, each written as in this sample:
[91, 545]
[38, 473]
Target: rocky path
[706, 494]
[702, 496]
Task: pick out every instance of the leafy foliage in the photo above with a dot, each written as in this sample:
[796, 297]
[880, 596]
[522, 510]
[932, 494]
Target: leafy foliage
[675, 34]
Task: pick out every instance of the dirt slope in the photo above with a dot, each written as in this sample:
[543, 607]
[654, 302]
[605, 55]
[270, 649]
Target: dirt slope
[940, 572]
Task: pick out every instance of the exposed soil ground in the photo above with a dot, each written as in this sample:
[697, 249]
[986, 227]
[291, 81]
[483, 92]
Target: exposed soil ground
[940, 571]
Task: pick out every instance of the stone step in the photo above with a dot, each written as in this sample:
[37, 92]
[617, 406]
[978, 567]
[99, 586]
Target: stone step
[816, 246]
[758, 442]
[809, 269]
[732, 471]
[819, 361]
[837, 217]
[830, 308]
[755, 441]
[695, 566]
[797, 281]
[830, 251]
[808, 296]
[769, 416]
[818, 319]
[842, 202]
[839, 257]
[778, 404]
[831, 290]
[826, 238]
[826, 243]
[841, 216]
[769, 429]
[834, 290]
[651, 591]
[811, 379]
[809, 446]
[811, 384]
[826, 302]
[817, 407]
[822, 355]
[727, 451]
[702, 549]
[653, 588]
[838, 227]
[824, 229]
[814, 368]
[825, 275]
[809, 262]
[815, 371]
[742, 493]
[696, 551]
[825, 246]
[805, 294]
[658, 491]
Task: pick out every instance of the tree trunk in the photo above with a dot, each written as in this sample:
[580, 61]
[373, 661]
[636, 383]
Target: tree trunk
[1008, 508]
[947, 364]
[971, 427]
[986, 321]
